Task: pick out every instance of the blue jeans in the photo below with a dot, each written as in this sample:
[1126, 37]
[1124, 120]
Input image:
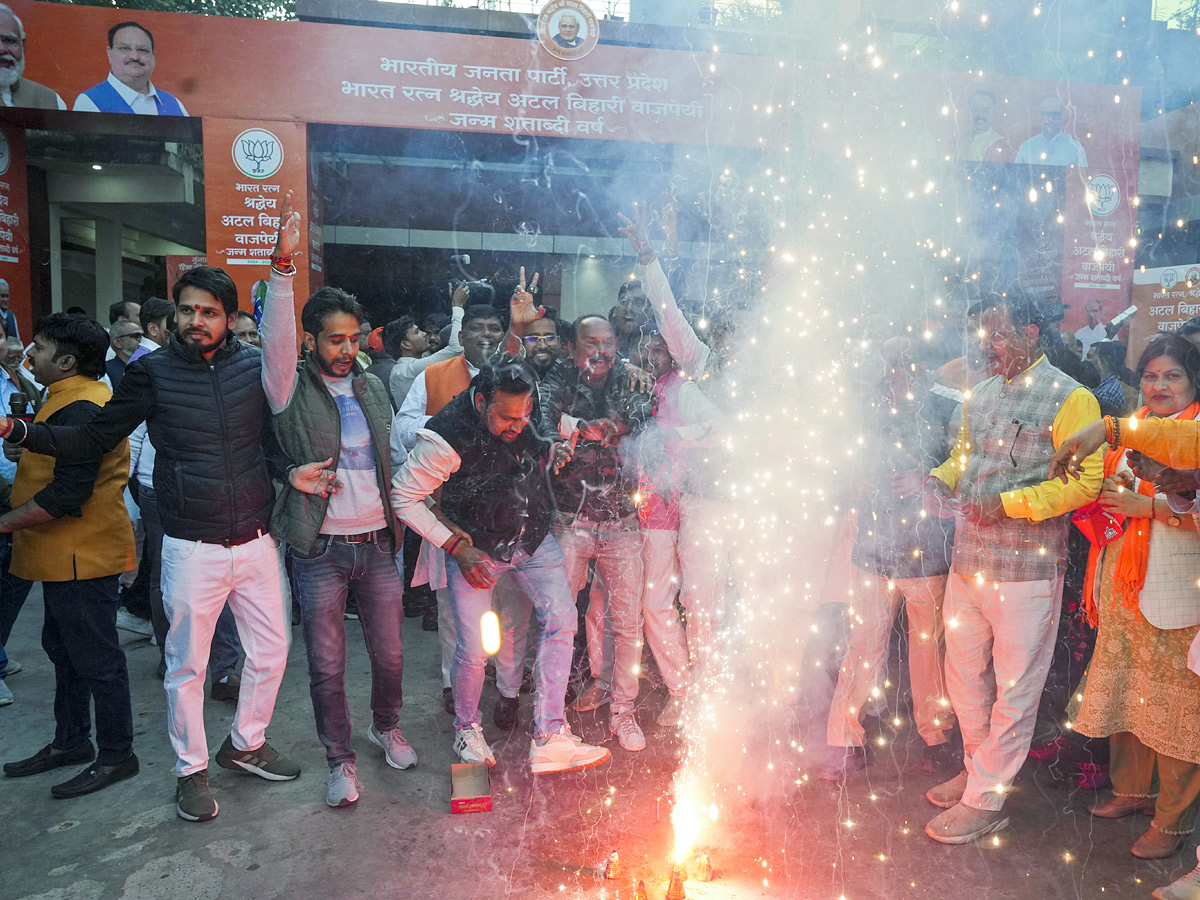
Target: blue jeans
[324, 578]
[543, 578]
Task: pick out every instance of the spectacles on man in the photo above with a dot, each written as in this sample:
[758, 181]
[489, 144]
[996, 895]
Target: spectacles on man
[137, 335]
[533, 339]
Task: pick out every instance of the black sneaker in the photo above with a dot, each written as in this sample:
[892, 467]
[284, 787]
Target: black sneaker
[841, 763]
[504, 713]
[226, 690]
[429, 619]
[193, 798]
[264, 762]
[351, 609]
[941, 758]
[448, 700]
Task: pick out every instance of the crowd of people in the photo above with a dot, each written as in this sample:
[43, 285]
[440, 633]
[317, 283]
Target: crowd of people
[504, 466]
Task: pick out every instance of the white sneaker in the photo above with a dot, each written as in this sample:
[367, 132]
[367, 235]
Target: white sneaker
[672, 713]
[6, 696]
[1185, 888]
[397, 750]
[593, 698]
[471, 747]
[627, 731]
[564, 752]
[12, 668]
[343, 785]
[127, 621]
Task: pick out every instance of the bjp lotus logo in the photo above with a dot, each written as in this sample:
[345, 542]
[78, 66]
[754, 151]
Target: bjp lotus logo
[257, 153]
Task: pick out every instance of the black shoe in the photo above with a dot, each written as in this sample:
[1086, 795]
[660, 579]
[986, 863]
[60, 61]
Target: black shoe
[504, 713]
[413, 606]
[429, 619]
[351, 610]
[96, 777]
[162, 669]
[941, 758]
[528, 685]
[226, 690]
[448, 700]
[296, 618]
[49, 758]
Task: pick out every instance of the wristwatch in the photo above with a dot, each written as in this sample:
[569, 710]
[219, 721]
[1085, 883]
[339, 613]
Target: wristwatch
[1174, 521]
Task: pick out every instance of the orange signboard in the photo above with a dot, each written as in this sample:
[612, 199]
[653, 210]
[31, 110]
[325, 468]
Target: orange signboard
[14, 226]
[242, 68]
[1166, 297]
[248, 169]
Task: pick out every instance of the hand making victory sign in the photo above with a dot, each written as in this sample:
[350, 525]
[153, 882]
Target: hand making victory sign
[287, 240]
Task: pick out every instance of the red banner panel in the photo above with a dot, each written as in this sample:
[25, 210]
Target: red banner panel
[14, 225]
[248, 168]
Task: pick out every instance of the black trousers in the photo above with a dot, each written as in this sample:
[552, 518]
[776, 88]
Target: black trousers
[79, 635]
[13, 590]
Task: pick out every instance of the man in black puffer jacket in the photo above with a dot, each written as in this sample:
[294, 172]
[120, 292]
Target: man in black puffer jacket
[491, 470]
[206, 413]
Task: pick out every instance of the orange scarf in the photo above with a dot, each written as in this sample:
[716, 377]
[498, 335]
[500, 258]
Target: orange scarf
[1130, 576]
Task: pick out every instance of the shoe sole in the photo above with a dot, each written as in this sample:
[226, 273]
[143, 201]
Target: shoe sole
[6, 701]
[969, 838]
[379, 742]
[475, 762]
[1145, 811]
[553, 768]
[578, 707]
[341, 804]
[236, 766]
[187, 817]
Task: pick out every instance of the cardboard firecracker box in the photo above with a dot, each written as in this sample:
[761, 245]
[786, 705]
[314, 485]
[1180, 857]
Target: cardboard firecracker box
[1097, 524]
[472, 788]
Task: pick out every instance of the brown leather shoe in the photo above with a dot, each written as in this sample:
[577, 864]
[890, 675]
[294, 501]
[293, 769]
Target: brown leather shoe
[1118, 807]
[1156, 845]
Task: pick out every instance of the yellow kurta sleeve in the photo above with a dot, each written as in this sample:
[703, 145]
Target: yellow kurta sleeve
[950, 472]
[1174, 442]
[1053, 498]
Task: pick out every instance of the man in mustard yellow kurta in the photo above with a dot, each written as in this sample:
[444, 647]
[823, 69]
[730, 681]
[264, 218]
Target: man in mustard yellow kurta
[1010, 545]
[71, 532]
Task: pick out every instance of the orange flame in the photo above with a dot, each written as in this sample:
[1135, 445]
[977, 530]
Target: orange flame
[686, 821]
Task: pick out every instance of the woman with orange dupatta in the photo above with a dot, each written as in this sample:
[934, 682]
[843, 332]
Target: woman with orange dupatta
[1138, 691]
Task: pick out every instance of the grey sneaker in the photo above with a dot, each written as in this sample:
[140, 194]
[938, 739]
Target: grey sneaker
[12, 668]
[395, 748]
[193, 798]
[471, 746]
[626, 729]
[564, 752]
[343, 785]
[6, 696]
[263, 762]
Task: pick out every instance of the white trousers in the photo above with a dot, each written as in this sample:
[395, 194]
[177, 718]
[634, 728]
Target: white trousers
[447, 631]
[864, 668]
[197, 581]
[707, 535]
[660, 618]
[999, 642]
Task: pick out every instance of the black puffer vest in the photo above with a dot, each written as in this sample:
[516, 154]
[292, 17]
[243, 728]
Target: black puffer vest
[209, 420]
[499, 494]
